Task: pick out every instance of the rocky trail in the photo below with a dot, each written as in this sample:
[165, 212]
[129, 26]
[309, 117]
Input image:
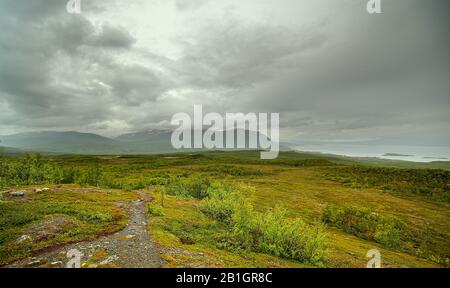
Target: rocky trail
[131, 247]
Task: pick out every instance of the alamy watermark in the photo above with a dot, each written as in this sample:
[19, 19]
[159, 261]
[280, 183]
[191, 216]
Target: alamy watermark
[74, 256]
[73, 7]
[228, 132]
[375, 258]
[374, 7]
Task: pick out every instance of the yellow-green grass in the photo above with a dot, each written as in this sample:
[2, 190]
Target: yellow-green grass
[305, 193]
[189, 238]
[84, 213]
[182, 219]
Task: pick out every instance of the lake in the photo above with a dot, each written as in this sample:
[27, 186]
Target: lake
[406, 153]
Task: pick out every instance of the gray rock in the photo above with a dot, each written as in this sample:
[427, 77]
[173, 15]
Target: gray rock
[34, 263]
[23, 238]
[57, 264]
[17, 193]
[109, 260]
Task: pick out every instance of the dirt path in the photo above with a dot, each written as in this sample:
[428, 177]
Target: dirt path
[130, 248]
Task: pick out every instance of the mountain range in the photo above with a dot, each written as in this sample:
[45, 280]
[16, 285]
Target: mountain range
[143, 142]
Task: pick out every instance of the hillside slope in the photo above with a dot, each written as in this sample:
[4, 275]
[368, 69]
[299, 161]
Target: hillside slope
[61, 142]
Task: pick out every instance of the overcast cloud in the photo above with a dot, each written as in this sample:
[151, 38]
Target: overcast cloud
[332, 71]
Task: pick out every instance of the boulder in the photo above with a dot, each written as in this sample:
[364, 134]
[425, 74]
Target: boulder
[17, 193]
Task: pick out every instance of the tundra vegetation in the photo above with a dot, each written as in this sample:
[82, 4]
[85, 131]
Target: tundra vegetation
[231, 209]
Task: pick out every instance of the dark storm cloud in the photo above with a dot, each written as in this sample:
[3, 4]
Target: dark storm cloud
[77, 32]
[30, 10]
[134, 85]
[387, 72]
[346, 75]
[234, 55]
[115, 37]
[50, 68]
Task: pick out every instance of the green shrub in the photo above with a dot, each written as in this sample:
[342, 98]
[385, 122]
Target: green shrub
[196, 187]
[275, 234]
[231, 170]
[365, 224]
[95, 217]
[431, 183]
[155, 210]
[271, 232]
[388, 235]
[223, 201]
[158, 181]
[186, 238]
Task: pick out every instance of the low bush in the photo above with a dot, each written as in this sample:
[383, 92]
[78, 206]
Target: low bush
[231, 170]
[387, 234]
[272, 232]
[155, 210]
[275, 234]
[224, 200]
[186, 238]
[430, 183]
[96, 217]
[196, 187]
[365, 224]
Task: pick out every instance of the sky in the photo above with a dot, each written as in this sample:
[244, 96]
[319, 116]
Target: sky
[335, 73]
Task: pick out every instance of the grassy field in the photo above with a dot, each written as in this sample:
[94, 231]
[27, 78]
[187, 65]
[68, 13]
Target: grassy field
[230, 209]
[58, 216]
